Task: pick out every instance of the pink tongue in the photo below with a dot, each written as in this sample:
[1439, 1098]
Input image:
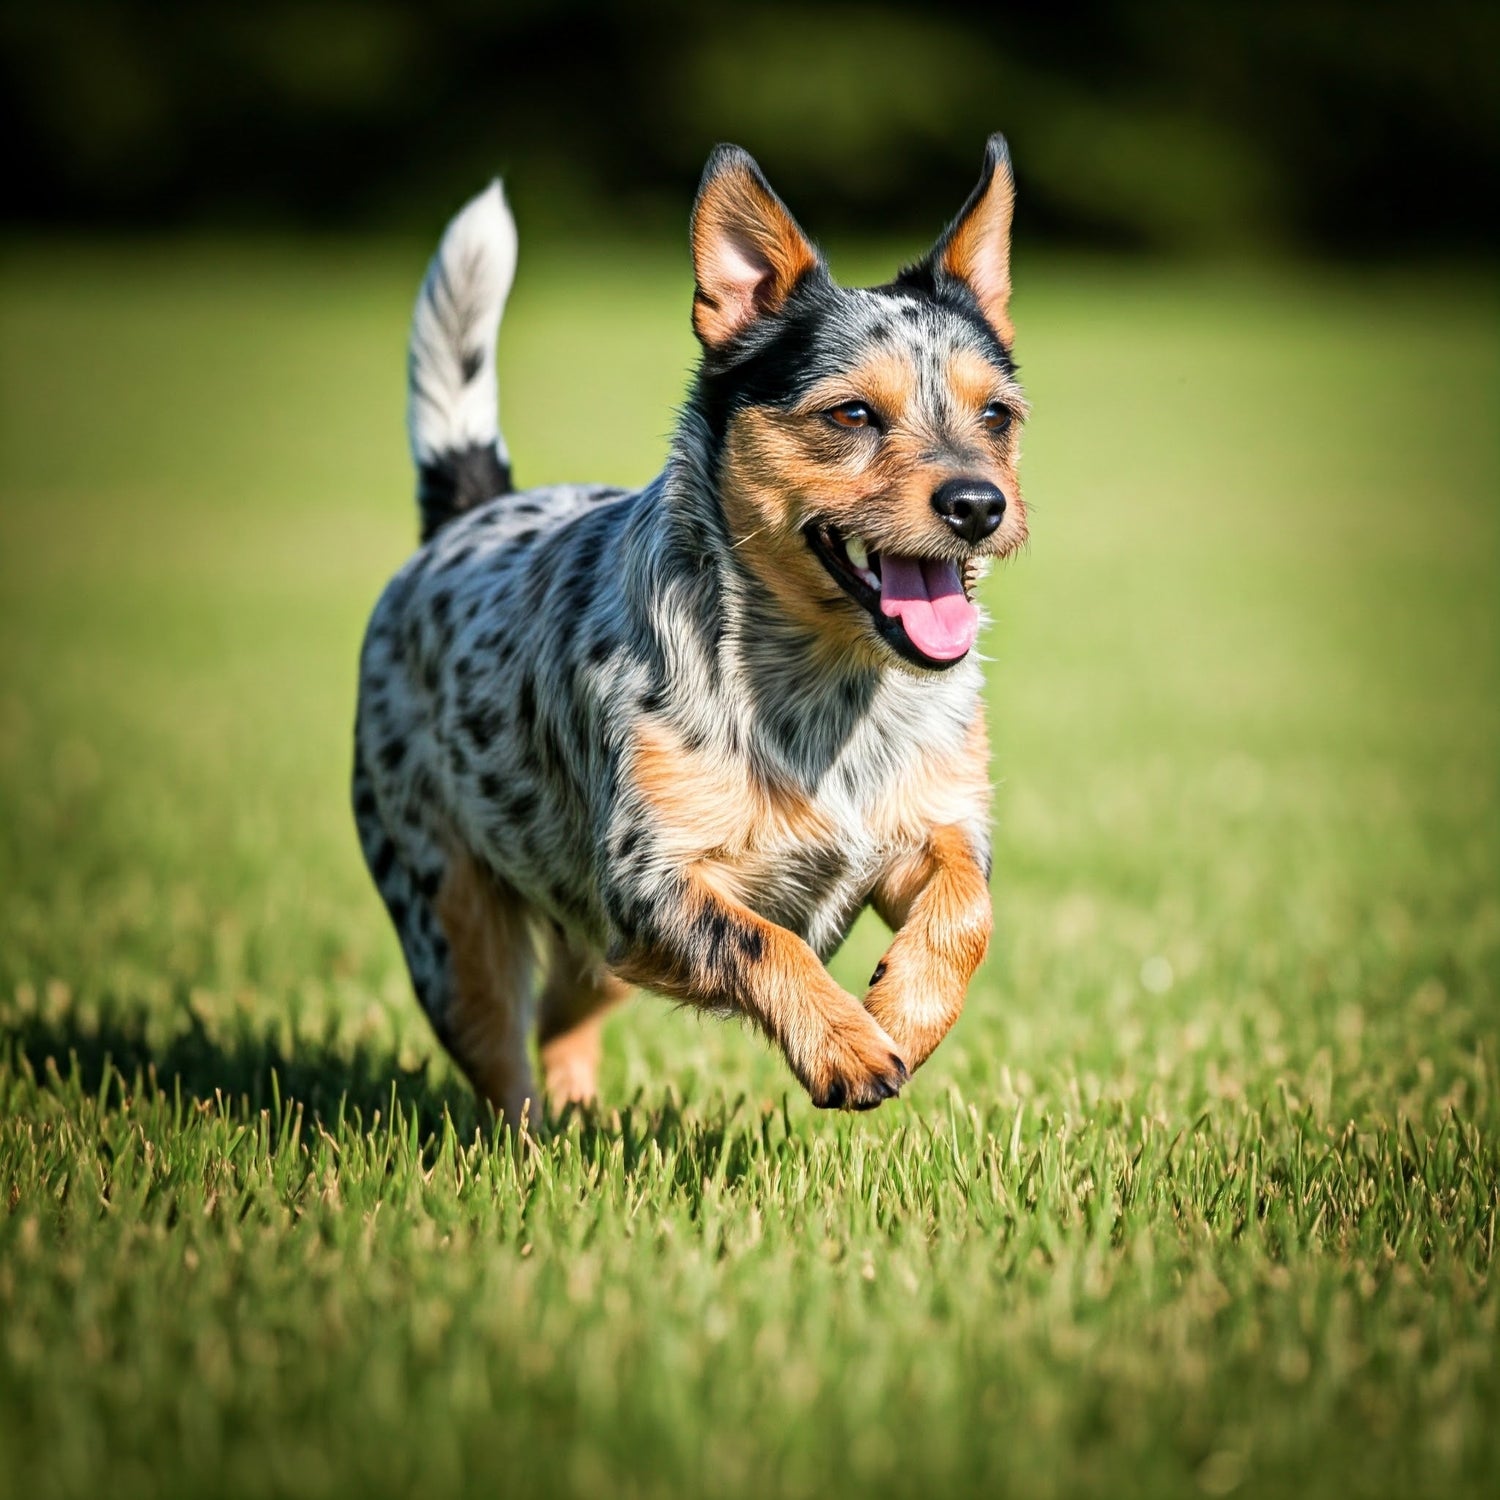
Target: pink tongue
[927, 598]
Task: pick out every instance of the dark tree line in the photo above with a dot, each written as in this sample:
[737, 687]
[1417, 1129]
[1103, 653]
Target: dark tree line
[1363, 128]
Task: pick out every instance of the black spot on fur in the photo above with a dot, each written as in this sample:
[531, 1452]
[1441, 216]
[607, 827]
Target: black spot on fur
[392, 753]
[601, 649]
[526, 700]
[521, 804]
[473, 363]
[483, 722]
[553, 749]
[382, 861]
[726, 943]
[490, 784]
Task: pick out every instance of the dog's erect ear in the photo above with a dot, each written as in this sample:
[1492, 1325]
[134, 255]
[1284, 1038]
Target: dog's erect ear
[748, 252]
[975, 247]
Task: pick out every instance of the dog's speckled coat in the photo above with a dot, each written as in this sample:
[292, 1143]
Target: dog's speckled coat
[659, 737]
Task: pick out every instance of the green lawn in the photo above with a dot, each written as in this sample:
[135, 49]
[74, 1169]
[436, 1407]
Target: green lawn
[1198, 1198]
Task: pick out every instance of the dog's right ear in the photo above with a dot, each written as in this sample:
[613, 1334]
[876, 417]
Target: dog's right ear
[748, 252]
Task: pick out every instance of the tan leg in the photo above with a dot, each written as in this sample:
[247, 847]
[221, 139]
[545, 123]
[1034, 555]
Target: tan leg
[570, 1018]
[493, 958]
[938, 902]
[713, 950]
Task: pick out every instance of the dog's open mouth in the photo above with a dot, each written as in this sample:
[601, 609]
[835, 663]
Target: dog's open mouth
[919, 605]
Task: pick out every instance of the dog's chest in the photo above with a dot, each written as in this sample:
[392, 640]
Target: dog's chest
[811, 878]
[805, 858]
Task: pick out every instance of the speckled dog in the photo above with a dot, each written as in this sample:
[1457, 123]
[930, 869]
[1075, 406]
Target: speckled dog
[680, 737]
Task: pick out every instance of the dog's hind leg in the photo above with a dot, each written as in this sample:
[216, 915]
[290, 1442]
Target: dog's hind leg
[467, 944]
[570, 1018]
[491, 972]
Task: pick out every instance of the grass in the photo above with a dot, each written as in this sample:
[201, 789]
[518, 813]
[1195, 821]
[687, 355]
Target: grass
[1198, 1198]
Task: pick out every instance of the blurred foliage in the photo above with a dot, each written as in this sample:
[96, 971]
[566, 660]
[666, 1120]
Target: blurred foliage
[1366, 129]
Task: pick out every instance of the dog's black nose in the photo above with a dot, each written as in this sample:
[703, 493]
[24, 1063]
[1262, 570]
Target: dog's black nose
[972, 507]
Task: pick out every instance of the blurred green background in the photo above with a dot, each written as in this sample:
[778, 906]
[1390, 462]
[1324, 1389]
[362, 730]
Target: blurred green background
[1199, 1197]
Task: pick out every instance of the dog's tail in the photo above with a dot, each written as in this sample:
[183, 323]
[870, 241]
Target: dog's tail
[452, 413]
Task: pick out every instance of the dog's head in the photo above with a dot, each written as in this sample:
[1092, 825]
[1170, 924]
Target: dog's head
[866, 438]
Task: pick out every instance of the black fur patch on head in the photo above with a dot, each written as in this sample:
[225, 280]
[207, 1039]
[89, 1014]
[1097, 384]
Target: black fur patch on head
[924, 283]
[771, 365]
[823, 329]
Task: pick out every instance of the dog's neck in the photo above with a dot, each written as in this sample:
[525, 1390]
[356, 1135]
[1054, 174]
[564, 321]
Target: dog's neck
[753, 682]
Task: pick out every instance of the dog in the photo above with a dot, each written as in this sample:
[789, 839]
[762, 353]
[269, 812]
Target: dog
[679, 737]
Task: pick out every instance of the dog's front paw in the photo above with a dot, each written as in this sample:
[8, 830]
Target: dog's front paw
[857, 1066]
[911, 1005]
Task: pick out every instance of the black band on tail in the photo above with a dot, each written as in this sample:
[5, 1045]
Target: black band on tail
[458, 481]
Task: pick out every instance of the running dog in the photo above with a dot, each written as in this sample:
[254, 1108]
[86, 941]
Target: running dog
[681, 736]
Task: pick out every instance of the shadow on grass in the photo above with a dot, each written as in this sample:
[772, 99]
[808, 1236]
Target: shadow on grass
[365, 1089]
[249, 1072]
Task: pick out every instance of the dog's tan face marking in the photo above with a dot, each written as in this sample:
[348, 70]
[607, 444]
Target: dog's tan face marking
[786, 467]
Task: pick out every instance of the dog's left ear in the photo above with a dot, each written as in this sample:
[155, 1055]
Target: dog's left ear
[748, 252]
[975, 247]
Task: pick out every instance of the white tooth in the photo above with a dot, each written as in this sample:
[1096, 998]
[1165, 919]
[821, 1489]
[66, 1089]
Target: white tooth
[857, 554]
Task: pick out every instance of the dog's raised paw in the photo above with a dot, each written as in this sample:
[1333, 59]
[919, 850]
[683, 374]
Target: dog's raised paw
[858, 1070]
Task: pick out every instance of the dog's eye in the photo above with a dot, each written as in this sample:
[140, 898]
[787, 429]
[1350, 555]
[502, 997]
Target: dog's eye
[996, 416]
[852, 414]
